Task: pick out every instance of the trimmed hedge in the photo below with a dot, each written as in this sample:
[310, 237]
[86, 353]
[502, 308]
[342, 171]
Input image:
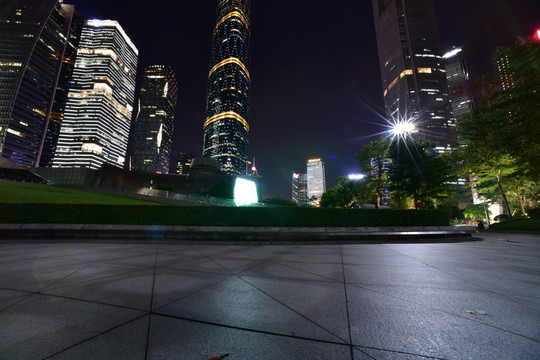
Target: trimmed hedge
[524, 225]
[217, 216]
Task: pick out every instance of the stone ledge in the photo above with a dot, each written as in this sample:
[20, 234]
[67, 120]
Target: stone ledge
[141, 232]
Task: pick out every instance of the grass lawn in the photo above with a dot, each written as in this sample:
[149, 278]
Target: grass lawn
[525, 225]
[19, 193]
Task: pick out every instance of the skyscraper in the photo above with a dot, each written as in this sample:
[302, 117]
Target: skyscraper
[299, 189]
[412, 68]
[316, 183]
[38, 39]
[227, 106]
[153, 129]
[183, 163]
[100, 101]
[459, 90]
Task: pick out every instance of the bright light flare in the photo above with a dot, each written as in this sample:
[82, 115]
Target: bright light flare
[356, 176]
[403, 128]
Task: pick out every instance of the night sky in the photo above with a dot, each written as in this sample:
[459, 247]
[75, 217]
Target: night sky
[316, 88]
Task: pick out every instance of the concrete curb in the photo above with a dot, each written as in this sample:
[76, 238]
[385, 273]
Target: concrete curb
[141, 232]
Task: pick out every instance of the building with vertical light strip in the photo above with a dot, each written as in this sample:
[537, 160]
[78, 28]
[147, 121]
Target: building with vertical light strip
[315, 176]
[299, 189]
[412, 69]
[459, 90]
[226, 126]
[152, 134]
[38, 39]
[98, 113]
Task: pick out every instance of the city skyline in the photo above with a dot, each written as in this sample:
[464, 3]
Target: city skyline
[314, 87]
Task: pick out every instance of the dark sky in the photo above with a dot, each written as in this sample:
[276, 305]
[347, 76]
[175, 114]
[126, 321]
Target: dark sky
[316, 89]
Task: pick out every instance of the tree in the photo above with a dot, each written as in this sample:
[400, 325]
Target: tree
[500, 140]
[374, 160]
[278, 201]
[474, 212]
[345, 194]
[419, 172]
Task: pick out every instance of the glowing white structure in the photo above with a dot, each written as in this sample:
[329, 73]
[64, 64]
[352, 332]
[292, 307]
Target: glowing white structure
[316, 184]
[101, 97]
[245, 192]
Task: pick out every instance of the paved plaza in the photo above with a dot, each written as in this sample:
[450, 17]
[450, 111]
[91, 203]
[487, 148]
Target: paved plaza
[154, 299]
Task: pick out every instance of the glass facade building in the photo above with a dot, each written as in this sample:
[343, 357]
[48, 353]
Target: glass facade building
[315, 176]
[412, 68]
[226, 125]
[183, 163]
[100, 100]
[153, 129]
[38, 39]
[299, 189]
[459, 89]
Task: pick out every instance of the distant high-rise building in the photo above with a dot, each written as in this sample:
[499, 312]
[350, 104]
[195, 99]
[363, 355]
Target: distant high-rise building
[299, 189]
[183, 163]
[38, 40]
[459, 90]
[153, 129]
[316, 183]
[100, 101]
[412, 68]
[227, 106]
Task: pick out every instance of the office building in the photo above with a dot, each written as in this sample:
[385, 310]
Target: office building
[98, 113]
[315, 176]
[38, 39]
[226, 126]
[153, 129]
[183, 163]
[412, 68]
[459, 90]
[299, 189]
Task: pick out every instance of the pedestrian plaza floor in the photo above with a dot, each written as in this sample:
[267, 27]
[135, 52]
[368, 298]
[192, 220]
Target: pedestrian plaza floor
[117, 299]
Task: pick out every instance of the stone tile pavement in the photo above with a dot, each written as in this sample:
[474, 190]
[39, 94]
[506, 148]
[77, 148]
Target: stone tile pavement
[84, 299]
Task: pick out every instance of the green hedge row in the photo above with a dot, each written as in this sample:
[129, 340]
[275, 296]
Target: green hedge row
[216, 216]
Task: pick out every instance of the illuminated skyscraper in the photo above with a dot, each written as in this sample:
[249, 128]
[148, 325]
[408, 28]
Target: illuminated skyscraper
[299, 189]
[227, 106]
[459, 90]
[183, 163]
[412, 68]
[153, 129]
[100, 100]
[316, 183]
[38, 40]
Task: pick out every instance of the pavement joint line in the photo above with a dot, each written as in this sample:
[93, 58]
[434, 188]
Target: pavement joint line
[251, 330]
[192, 293]
[397, 352]
[151, 303]
[295, 311]
[447, 312]
[347, 310]
[96, 335]
[41, 291]
[468, 282]
[276, 300]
